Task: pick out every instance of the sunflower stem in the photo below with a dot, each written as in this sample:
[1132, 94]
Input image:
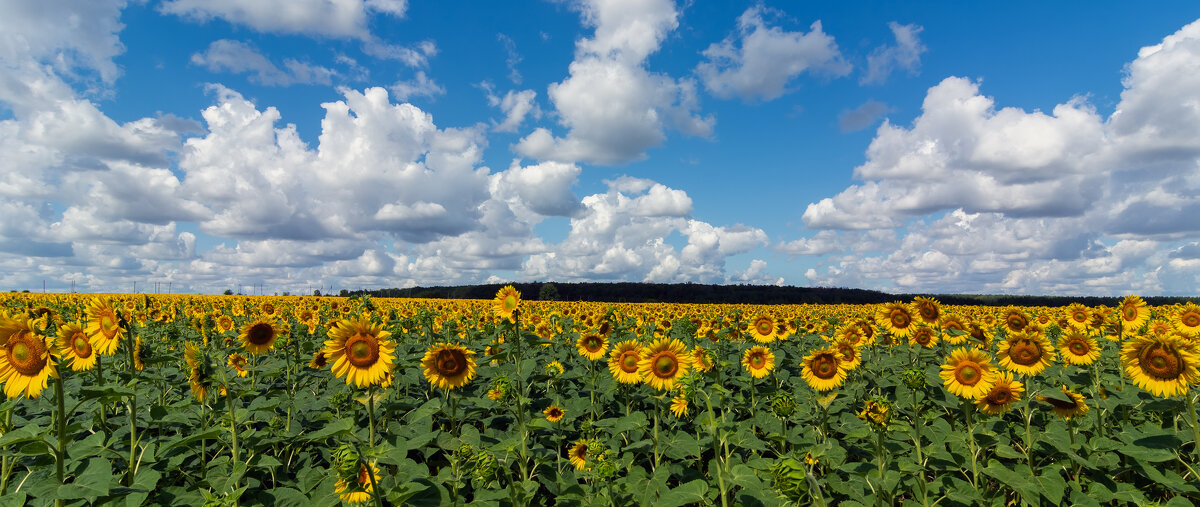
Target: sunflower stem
[60, 453]
[371, 416]
[1191, 407]
[233, 430]
[917, 422]
[132, 410]
[712, 425]
[6, 463]
[967, 407]
[657, 409]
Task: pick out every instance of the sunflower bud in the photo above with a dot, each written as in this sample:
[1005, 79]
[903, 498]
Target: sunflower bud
[914, 378]
[790, 480]
[486, 467]
[783, 405]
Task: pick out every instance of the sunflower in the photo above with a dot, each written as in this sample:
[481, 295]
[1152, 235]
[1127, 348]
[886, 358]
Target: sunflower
[579, 453]
[823, 369]
[954, 329]
[1162, 365]
[553, 413]
[200, 377]
[1077, 348]
[75, 347]
[762, 329]
[927, 309]
[895, 318]
[968, 373]
[679, 407]
[360, 351]
[1067, 409]
[358, 489]
[224, 323]
[1015, 320]
[1133, 314]
[26, 362]
[139, 350]
[623, 362]
[555, 369]
[1187, 320]
[851, 355]
[664, 361]
[259, 336]
[1027, 354]
[1078, 316]
[979, 336]
[592, 346]
[506, 302]
[448, 366]
[1002, 395]
[318, 360]
[702, 359]
[759, 361]
[103, 326]
[238, 362]
[924, 336]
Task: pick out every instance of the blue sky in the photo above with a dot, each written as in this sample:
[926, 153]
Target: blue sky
[946, 147]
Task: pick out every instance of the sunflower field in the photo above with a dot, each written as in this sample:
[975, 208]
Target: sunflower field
[241, 400]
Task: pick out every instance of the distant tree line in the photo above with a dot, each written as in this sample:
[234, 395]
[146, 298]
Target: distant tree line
[634, 292]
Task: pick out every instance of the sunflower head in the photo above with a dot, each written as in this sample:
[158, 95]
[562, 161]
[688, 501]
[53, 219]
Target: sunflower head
[592, 346]
[1027, 354]
[553, 413]
[448, 366]
[895, 318]
[104, 326]
[360, 350]
[927, 309]
[679, 407]
[876, 411]
[762, 329]
[1162, 365]
[968, 373]
[758, 361]
[623, 362]
[26, 361]
[579, 454]
[663, 362]
[923, 336]
[1186, 320]
[259, 336]
[506, 302]
[1077, 348]
[823, 369]
[75, 347]
[1066, 403]
[1001, 396]
[1134, 313]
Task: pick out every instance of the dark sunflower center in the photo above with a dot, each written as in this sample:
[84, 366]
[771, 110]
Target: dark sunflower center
[1000, 397]
[1130, 312]
[268, 309]
[764, 326]
[1079, 347]
[108, 324]
[83, 347]
[1065, 405]
[824, 366]
[929, 313]
[900, 319]
[968, 373]
[758, 361]
[362, 350]
[665, 366]
[1162, 362]
[26, 354]
[592, 343]
[261, 334]
[1079, 316]
[1025, 353]
[510, 302]
[923, 338]
[581, 451]
[1190, 319]
[451, 363]
[629, 362]
[1016, 322]
[364, 476]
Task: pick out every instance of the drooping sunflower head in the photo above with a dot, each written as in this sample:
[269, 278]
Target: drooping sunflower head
[954, 329]
[357, 489]
[663, 362]
[702, 359]
[1071, 404]
[75, 347]
[927, 309]
[823, 369]
[579, 453]
[758, 361]
[103, 326]
[1134, 312]
[1077, 348]
[895, 318]
[1027, 354]
[259, 336]
[968, 373]
[26, 362]
[1162, 365]
[506, 302]
[318, 360]
[360, 350]
[979, 336]
[679, 407]
[1001, 396]
[1186, 320]
[448, 367]
[200, 373]
[592, 346]
[553, 413]
[239, 363]
[876, 411]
